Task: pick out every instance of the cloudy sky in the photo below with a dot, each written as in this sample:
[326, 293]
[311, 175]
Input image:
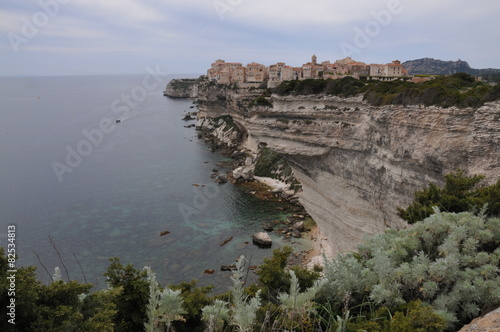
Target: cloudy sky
[67, 37]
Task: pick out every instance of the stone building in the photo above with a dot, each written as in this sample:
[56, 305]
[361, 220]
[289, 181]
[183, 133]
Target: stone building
[253, 74]
[312, 69]
[226, 72]
[256, 73]
[393, 69]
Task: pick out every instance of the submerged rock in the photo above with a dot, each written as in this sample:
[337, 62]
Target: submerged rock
[268, 226]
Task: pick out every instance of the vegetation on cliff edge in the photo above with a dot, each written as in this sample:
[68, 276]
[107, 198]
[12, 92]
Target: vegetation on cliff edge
[460, 193]
[460, 90]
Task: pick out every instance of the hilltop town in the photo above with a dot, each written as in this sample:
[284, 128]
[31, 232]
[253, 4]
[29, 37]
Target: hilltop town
[254, 74]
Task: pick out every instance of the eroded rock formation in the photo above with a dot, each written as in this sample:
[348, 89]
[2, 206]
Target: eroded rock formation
[357, 163]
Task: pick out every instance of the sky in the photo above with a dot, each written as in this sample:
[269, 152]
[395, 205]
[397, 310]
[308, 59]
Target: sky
[89, 37]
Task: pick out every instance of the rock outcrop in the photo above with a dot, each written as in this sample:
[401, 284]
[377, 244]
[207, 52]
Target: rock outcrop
[182, 88]
[440, 67]
[262, 239]
[358, 163]
[488, 323]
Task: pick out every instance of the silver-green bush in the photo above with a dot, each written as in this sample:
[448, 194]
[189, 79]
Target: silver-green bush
[449, 260]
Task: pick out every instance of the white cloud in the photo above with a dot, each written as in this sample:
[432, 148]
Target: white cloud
[123, 11]
[10, 21]
[96, 48]
[74, 28]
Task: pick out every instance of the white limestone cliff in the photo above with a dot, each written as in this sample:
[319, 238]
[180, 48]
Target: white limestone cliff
[358, 163]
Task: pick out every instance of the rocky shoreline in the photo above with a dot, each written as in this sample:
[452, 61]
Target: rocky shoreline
[224, 136]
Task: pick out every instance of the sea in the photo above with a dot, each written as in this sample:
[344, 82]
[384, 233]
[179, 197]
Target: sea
[81, 188]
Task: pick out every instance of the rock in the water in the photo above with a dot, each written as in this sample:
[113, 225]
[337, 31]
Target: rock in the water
[268, 226]
[263, 239]
[296, 234]
[188, 117]
[226, 241]
[299, 226]
[228, 267]
[222, 178]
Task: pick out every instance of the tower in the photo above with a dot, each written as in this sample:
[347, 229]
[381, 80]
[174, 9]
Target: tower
[314, 59]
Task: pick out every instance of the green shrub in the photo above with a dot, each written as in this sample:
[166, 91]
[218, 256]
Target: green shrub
[345, 87]
[261, 101]
[458, 90]
[460, 193]
[272, 275]
[414, 316]
[194, 299]
[131, 302]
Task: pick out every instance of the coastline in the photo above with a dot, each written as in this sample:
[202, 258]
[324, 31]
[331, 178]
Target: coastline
[320, 247]
[296, 226]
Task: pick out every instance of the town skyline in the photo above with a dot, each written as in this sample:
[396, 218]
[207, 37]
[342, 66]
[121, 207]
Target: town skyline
[253, 74]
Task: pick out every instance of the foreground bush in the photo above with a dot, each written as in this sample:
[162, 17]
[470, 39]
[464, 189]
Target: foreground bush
[449, 260]
[438, 274]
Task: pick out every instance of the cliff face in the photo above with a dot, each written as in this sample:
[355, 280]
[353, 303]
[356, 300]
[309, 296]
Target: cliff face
[358, 163]
[182, 88]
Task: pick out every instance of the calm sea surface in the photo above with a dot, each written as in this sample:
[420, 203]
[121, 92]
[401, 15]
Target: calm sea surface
[101, 189]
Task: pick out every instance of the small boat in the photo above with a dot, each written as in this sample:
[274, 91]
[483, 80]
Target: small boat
[118, 120]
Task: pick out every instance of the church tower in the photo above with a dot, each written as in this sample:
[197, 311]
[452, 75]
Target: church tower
[314, 59]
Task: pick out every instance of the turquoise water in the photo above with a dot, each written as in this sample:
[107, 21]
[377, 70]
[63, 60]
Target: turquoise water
[140, 177]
